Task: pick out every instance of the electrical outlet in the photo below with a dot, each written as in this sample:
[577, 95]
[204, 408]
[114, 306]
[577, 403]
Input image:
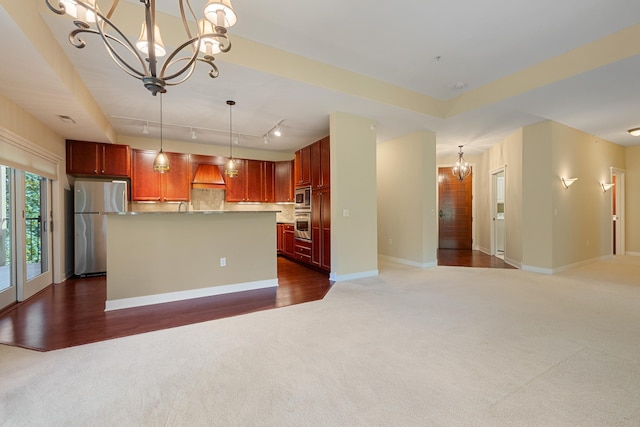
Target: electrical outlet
[223, 262]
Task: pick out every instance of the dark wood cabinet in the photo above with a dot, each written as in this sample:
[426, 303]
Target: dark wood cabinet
[86, 158]
[302, 167]
[150, 186]
[288, 239]
[302, 250]
[280, 237]
[254, 182]
[321, 229]
[284, 182]
[320, 164]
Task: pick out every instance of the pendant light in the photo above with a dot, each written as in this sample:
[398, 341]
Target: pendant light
[231, 168]
[161, 162]
[461, 168]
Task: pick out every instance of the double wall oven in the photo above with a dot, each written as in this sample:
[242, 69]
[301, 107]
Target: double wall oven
[302, 213]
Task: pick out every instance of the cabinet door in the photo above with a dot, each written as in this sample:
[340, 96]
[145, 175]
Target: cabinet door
[320, 170]
[115, 160]
[254, 181]
[236, 187]
[268, 183]
[82, 158]
[145, 183]
[303, 166]
[321, 229]
[289, 239]
[280, 237]
[176, 184]
[284, 183]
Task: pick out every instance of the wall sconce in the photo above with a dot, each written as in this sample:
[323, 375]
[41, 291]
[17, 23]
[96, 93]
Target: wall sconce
[606, 187]
[567, 182]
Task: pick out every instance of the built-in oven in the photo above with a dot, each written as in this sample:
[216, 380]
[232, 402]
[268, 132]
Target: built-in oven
[303, 199]
[302, 229]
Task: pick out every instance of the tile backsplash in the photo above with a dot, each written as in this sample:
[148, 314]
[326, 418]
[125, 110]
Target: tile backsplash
[213, 200]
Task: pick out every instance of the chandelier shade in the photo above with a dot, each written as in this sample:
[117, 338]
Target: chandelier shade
[203, 39]
[461, 169]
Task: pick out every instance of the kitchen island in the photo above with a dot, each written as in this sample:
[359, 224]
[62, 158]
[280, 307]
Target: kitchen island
[157, 257]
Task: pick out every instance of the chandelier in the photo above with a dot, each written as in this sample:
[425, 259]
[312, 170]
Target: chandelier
[141, 62]
[461, 168]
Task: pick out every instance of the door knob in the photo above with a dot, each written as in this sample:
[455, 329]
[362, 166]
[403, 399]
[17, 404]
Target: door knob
[440, 213]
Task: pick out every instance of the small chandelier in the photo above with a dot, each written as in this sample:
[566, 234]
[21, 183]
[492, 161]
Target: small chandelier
[461, 168]
[209, 39]
[231, 168]
[161, 162]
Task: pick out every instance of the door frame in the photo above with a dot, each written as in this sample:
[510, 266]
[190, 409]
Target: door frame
[619, 202]
[493, 175]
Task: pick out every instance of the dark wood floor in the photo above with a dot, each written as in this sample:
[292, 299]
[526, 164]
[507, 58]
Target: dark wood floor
[469, 258]
[72, 313]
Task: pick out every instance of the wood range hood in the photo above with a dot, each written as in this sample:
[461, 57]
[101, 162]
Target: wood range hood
[208, 176]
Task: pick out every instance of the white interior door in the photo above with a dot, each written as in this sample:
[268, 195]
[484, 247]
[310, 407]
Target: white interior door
[498, 196]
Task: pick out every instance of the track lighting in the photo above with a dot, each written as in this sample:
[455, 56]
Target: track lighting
[193, 134]
[277, 131]
[265, 139]
[145, 128]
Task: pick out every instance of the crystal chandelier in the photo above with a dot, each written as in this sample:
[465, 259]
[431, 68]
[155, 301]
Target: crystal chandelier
[208, 39]
[461, 168]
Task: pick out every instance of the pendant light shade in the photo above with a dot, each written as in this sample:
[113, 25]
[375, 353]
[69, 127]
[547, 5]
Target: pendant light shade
[231, 168]
[161, 162]
[461, 168]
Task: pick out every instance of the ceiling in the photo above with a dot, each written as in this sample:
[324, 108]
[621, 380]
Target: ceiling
[444, 53]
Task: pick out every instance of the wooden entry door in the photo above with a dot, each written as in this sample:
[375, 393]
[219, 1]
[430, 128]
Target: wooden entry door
[454, 211]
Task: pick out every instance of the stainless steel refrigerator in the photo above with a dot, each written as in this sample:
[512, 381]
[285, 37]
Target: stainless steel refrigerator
[91, 200]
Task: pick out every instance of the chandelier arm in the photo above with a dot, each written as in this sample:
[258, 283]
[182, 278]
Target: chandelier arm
[80, 43]
[184, 19]
[191, 60]
[59, 10]
[114, 5]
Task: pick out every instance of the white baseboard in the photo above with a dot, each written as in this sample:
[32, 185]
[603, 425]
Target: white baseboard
[565, 267]
[344, 277]
[408, 262]
[119, 304]
[632, 253]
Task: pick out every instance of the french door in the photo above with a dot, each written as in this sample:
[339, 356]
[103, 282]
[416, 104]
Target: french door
[25, 234]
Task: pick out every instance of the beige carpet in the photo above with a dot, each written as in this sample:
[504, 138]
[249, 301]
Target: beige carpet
[445, 346]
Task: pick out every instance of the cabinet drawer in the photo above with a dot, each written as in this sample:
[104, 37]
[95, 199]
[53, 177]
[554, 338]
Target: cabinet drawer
[289, 227]
[302, 250]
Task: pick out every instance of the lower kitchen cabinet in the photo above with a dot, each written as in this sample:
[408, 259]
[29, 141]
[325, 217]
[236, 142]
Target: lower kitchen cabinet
[302, 250]
[286, 239]
[321, 229]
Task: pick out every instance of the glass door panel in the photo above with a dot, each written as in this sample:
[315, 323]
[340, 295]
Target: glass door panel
[36, 234]
[8, 292]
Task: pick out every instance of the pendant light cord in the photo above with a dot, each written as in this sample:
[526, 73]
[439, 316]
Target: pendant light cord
[160, 121]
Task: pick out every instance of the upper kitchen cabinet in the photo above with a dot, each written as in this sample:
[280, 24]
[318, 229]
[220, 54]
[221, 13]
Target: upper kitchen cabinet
[86, 158]
[320, 164]
[254, 182]
[302, 167]
[284, 181]
[150, 186]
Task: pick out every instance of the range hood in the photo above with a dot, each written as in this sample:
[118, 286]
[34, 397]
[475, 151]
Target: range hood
[208, 176]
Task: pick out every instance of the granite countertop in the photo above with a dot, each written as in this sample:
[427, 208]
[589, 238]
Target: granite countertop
[187, 213]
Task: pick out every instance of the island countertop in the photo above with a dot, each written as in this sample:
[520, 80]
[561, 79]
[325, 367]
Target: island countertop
[188, 212]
